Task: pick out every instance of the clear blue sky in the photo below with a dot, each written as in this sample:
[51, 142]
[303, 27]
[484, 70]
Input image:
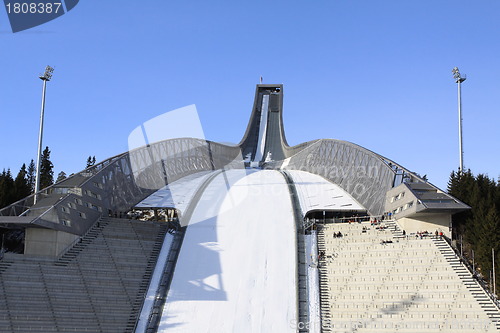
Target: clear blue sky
[376, 73]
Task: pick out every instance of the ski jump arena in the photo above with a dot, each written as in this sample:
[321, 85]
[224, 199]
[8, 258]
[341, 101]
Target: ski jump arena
[325, 236]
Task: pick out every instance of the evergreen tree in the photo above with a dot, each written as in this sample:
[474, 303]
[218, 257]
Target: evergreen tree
[461, 186]
[489, 238]
[61, 176]
[480, 226]
[453, 183]
[46, 170]
[21, 186]
[497, 196]
[90, 162]
[31, 176]
[7, 193]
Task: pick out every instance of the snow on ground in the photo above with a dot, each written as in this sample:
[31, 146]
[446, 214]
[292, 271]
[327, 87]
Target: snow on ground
[236, 271]
[177, 194]
[317, 193]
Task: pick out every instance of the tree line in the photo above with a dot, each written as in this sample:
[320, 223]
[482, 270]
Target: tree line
[14, 189]
[477, 230]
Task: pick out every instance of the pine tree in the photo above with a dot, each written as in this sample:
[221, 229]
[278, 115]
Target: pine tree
[30, 176]
[461, 186]
[480, 226]
[7, 193]
[89, 162]
[61, 176]
[46, 170]
[453, 183]
[497, 196]
[488, 238]
[21, 186]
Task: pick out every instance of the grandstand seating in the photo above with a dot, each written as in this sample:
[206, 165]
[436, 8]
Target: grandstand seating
[97, 286]
[377, 280]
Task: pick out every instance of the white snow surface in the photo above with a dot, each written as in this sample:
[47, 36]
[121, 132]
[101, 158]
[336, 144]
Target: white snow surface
[317, 193]
[236, 270]
[178, 194]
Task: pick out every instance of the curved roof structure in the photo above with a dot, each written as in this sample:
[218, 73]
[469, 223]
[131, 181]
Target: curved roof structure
[121, 182]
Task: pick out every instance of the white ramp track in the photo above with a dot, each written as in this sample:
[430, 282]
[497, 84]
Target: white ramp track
[236, 270]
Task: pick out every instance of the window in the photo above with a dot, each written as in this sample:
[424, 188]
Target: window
[92, 194]
[408, 205]
[92, 206]
[438, 201]
[398, 197]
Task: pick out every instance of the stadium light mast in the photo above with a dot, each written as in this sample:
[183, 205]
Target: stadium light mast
[494, 276]
[45, 77]
[459, 79]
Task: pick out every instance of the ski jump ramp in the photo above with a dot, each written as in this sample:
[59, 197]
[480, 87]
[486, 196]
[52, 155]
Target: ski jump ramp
[236, 270]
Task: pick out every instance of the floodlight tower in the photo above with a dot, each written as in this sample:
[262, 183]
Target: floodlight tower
[459, 79]
[45, 77]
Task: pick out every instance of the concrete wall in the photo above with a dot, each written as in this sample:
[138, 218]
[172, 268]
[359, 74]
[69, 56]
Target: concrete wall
[426, 222]
[406, 197]
[46, 242]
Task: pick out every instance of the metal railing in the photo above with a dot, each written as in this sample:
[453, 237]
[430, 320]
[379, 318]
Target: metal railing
[301, 266]
[475, 274]
[79, 238]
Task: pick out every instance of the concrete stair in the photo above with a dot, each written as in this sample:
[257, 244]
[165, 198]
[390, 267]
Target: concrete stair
[96, 286]
[469, 281]
[380, 281]
[87, 239]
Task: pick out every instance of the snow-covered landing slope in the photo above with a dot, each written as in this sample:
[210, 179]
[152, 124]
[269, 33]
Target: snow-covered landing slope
[177, 194]
[236, 271]
[317, 193]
